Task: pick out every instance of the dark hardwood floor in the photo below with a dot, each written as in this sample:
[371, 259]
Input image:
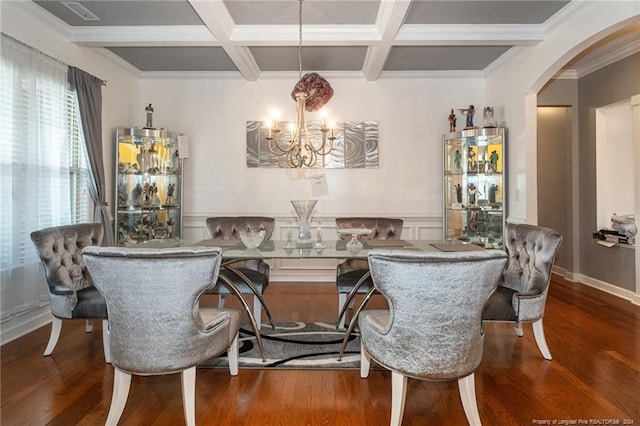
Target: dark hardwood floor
[594, 377]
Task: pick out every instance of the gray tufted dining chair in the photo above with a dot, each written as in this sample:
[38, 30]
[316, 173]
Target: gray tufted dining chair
[157, 324]
[522, 293]
[71, 289]
[256, 270]
[433, 328]
[349, 272]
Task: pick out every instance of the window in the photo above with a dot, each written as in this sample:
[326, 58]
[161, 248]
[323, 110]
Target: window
[43, 176]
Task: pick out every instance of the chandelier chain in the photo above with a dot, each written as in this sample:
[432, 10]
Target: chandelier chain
[300, 41]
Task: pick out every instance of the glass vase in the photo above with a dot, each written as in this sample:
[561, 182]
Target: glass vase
[303, 210]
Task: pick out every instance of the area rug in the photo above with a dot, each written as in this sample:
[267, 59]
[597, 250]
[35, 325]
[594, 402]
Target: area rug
[295, 345]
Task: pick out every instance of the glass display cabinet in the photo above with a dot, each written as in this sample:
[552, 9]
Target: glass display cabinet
[148, 185]
[474, 186]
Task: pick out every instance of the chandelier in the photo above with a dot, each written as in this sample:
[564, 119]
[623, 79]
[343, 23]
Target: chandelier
[310, 93]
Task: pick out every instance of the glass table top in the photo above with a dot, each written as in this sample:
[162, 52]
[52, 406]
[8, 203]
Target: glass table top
[276, 249]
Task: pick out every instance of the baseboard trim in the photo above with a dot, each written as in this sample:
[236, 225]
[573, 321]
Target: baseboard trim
[21, 325]
[609, 288]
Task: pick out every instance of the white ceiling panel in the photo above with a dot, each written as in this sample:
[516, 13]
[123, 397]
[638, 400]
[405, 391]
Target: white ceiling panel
[182, 58]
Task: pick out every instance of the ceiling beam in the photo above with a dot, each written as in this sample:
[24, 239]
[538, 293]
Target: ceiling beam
[390, 17]
[217, 19]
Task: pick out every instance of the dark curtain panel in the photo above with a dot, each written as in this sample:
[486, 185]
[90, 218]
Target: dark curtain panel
[89, 91]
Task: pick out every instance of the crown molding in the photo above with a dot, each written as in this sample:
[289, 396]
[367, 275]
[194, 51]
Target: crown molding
[514, 52]
[568, 12]
[451, 35]
[117, 60]
[608, 59]
[147, 35]
[566, 75]
[42, 15]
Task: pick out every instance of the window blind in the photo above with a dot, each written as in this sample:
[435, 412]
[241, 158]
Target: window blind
[43, 168]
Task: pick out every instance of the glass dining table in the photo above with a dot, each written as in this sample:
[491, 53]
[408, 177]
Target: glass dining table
[234, 251]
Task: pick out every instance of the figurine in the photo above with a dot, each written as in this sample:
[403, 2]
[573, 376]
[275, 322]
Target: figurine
[459, 192]
[170, 201]
[176, 162]
[149, 110]
[493, 190]
[169, 233]
[472, 192]
[153, 195]
[151, 231]
[458, 160]
[452, 121]
[136, 195]
[493, 161]
[469, 112]
[488, 117]
[471, 160]
[145, 194]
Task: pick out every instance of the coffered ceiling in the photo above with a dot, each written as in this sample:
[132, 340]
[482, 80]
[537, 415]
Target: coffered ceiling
[257, 37]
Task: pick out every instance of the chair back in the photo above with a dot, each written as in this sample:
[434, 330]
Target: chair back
[153, 305]
[435, 305]
[226, 228]
[531, 250]
[60, 250]
[383, 228]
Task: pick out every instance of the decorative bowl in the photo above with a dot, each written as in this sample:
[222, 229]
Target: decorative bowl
[251, 239]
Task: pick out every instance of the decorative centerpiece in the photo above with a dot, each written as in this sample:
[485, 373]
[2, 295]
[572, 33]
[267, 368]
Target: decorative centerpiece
[251, 239]
[303, 210]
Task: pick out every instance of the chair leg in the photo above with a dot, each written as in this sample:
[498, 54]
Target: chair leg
[56, 327]
[88, 327]
[257, 311]
[467, 388]
[365, 361]
[105, 341]
[121, 385]
[189, 395]
[342, 298]
[518, 329]
[398, 397]
[232, 356]
[538, 332]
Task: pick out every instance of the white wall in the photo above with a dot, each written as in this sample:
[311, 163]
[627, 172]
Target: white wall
[513, 85]
[412, 115]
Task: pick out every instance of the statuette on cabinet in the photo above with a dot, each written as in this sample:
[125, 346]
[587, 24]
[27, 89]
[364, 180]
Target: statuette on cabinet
[469, 113]
[149, 110]
[452, 121]
[488, 118]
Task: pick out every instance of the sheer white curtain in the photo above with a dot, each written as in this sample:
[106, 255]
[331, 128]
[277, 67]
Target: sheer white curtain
[36, 183]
